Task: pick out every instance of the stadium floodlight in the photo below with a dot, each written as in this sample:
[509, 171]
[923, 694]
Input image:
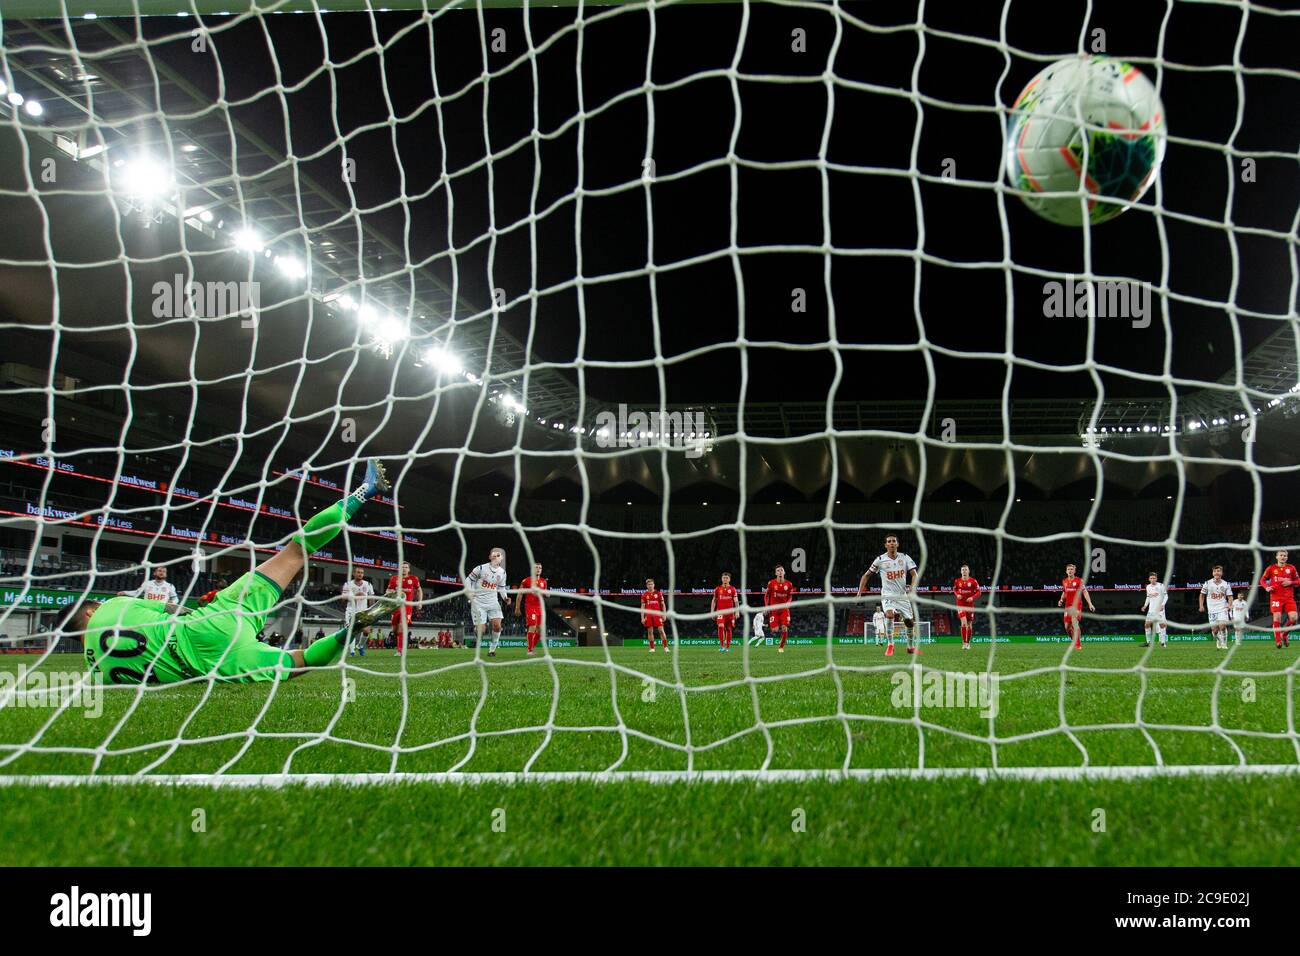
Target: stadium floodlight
[205, 216]
[291, 266]
[34, 108]
[4, 87]
[368, 314]
[247, 240]
[145, 177]
[444, 361]
[15, 98]
[390, 329]
[347, 302]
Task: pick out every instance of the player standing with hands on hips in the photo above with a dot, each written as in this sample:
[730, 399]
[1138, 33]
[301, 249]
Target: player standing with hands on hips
[1279, 581]
[486, 585]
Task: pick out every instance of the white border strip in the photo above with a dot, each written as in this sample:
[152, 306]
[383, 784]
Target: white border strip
[275, 781]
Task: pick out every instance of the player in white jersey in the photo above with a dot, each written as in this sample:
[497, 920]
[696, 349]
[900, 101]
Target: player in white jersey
[356, 595]
[1239, 616]
[1154, 605]
[878, 622]
[898, 576]
[1218, 593]
[487, 589]
[757, 628]
[157, 588]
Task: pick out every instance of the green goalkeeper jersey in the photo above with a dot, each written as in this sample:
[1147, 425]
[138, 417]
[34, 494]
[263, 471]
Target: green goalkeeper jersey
[130, 640]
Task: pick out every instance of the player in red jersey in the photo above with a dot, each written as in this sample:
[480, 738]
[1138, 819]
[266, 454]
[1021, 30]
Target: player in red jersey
[1072, 592]
[409, 585]
[777, 598]
[652, 614]
[533, 607]
[725, 599]
[1280, 580]
[967, 591]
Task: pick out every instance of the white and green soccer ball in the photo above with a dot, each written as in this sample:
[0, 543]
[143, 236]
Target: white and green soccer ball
[1091, 131]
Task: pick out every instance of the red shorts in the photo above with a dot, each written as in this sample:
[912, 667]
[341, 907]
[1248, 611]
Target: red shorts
[408, 613]
[779, 618]
[533, 616]
[1071, 615]
[965, 610]
[1282, 605]
[652, 620]
[727, 620]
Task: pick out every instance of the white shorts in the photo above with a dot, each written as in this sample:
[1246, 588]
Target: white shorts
[482, 613]
[1218, 617]
[1156, 617]
[1239, 623]
[901, 607]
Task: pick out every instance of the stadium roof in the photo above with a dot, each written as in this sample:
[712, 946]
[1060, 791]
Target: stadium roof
[232, 176]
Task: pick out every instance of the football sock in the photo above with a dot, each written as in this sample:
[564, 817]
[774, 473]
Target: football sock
[322, 527]
[327, 650]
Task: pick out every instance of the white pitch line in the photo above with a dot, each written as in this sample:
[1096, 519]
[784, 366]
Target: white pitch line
[274, 781]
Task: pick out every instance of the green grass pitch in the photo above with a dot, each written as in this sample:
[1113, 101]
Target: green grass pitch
[812, 717]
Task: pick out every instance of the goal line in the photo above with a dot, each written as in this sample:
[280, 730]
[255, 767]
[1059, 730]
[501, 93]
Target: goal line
[276, 781]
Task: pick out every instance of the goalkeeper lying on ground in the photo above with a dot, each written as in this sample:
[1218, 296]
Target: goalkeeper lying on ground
[130, 640]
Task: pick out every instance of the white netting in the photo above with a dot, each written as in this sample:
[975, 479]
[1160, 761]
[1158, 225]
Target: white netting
[519, 254]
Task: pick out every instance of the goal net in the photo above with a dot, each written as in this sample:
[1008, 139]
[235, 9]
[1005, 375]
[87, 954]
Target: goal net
[642, 294]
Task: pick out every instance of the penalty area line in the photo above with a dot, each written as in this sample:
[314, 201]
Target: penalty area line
[272, 781]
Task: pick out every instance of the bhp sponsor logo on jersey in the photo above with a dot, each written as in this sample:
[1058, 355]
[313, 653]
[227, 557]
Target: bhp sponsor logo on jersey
[76, 909]
[679, 431]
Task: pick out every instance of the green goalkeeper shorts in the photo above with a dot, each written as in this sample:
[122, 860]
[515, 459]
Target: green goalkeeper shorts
[221, 639]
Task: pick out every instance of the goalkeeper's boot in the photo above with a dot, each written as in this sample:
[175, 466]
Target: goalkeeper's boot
[376, 479]
[393, 600]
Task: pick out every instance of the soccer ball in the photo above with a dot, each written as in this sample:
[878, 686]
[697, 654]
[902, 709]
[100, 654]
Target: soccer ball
[1089, 129]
